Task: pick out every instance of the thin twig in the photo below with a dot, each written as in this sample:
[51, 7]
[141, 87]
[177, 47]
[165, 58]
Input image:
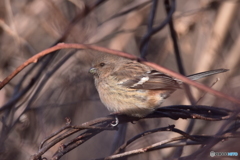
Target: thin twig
[184, 79]
[104, 122]
[127, 11]
[150, 26]
[147, 37]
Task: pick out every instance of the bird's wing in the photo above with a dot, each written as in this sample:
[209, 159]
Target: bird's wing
[138, 76]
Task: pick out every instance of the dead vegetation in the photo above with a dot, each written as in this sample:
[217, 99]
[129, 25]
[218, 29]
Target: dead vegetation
[51, 109]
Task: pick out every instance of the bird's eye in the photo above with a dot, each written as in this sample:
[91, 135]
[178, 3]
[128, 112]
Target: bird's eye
[102, 64]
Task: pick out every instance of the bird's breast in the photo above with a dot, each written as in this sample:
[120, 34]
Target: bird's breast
[137, 102]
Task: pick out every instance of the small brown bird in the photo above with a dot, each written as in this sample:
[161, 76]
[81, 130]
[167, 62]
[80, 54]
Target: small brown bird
[132, 88]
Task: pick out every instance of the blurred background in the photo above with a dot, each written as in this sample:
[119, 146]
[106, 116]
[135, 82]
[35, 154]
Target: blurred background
[37, 101]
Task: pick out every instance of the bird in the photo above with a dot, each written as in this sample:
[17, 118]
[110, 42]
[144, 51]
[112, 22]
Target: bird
[131, 88]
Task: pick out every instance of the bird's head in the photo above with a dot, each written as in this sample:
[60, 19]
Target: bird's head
[103, 66]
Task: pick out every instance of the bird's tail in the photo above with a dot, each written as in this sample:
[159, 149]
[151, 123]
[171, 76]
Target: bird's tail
[205, 74]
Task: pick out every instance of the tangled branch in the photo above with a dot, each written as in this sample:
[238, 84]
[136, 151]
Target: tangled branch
[96, 126]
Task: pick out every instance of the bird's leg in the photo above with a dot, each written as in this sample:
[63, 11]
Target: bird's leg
[116, 122]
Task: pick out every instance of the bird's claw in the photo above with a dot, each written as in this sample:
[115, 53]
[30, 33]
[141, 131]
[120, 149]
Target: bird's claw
[115, 123]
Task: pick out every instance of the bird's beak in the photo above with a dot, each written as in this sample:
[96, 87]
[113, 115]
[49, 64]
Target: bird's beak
[93, 71]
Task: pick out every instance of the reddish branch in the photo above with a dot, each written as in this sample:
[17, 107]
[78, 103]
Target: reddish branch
[59, 46]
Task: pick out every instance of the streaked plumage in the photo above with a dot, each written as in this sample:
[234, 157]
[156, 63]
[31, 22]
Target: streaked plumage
[132, 88]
